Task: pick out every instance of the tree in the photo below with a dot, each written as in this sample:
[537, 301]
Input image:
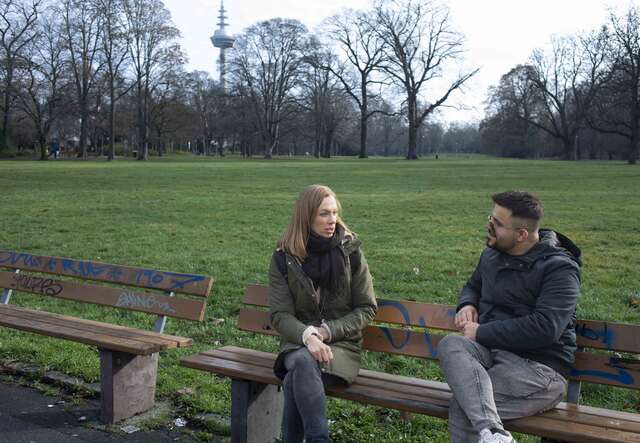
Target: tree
[17, 31]
[617, 109]
[43, 82]
[265, 64]
[114, 46]
[567, 80]
[507, 127]
[419, 44]
[82, 24]
[321, 96]
[154, 54]
[354, 34]
[203, 97]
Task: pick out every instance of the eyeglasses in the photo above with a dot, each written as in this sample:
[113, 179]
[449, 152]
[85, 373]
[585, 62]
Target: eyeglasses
[494, 221]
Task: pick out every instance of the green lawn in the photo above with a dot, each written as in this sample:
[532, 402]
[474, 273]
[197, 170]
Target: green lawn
[223, 217]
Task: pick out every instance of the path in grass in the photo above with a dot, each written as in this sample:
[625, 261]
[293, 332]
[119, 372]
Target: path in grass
[422, 226]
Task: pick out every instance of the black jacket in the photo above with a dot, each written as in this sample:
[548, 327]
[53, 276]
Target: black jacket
[527, 303]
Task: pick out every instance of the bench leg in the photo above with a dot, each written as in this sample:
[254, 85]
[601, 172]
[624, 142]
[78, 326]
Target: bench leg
[256, 412]
[128, 384]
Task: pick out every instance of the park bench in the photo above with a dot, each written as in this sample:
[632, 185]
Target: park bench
[128, 356]
[405, 328]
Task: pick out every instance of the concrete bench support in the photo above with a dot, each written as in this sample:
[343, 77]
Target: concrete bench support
[128, 384]
[256, 412]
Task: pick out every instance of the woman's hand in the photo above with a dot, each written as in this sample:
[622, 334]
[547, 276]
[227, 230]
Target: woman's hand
[319, 350]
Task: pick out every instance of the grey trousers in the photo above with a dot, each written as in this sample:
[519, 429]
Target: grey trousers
[491, 385]
[305, 414]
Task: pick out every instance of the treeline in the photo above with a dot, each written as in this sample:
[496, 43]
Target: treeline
[108, 77]
[107, 74]
[578, 98]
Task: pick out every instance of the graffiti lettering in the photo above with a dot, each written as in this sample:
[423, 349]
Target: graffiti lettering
[117, 274]
[132, 300]
[406, 317]
[45, 286]
[12, 258]
[604, 335]
[621, 375]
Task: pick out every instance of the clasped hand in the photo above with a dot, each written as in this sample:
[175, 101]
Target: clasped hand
[466, 320]
[319, 350]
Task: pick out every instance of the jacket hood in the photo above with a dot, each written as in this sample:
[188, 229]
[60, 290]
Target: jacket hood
[555, 242]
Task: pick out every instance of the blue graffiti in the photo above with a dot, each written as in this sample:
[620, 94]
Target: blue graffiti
[113, 273]
[406, 317]
[605, 335]
[622, 376]
[12, 258]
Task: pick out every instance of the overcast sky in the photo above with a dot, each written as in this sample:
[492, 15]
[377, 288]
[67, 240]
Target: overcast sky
[499, 33]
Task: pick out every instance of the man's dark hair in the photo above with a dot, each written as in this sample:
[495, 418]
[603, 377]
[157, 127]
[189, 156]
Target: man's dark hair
[523, 204]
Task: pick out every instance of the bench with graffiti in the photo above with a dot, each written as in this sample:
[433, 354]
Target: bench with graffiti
[406, 328]
[128, 355]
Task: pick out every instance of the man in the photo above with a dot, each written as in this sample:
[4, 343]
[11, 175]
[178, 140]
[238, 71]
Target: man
[517, 318]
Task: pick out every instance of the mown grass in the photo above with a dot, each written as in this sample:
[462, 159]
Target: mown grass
[421, 224]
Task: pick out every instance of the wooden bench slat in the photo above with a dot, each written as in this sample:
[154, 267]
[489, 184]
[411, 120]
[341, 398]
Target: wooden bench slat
[618, 337]
[169, 341]
[593, 368]
[89, 338]
[553, 424]
[106, 296]
[437, 391]
[607, 370]
[193, 284]
[569, 431]
[609, 413]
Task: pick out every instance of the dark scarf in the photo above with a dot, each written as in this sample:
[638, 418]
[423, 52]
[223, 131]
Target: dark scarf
[325, 262]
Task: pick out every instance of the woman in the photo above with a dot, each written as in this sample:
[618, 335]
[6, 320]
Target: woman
[321, 297]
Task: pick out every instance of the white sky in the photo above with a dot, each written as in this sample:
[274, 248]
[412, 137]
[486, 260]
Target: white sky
[500, 33]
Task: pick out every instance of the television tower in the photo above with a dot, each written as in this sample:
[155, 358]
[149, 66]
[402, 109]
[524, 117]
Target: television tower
[222, 40]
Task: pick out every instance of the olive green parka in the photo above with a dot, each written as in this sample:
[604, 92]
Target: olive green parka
[295, 305]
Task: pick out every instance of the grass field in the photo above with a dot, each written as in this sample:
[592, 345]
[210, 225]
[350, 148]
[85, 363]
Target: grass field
[421, 223]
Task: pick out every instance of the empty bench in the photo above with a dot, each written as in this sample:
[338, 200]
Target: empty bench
[128, 356]
[405, 328]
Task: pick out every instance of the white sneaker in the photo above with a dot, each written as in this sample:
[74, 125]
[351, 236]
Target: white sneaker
[486, 436]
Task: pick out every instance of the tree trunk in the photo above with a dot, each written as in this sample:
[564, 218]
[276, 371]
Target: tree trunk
[4, 138]
[363, 118]
[112, 125]
[412, 153]
[42, 141]
[633, 144]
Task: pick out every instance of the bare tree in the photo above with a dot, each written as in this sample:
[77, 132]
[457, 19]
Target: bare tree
[17, 30]
[567, 80]
[114, 45]
[265, 61]
[617, 108]
[420, 43]
[203, 95]
[355, 35]
[510, 106]
[43, 82]
[153, 52]
[82, 25]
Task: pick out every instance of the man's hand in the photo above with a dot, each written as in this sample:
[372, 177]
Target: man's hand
[466, 314]
[469, 330]
[319, 350]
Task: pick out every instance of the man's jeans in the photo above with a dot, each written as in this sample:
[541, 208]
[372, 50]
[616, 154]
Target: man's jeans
[304, 414]
[493, 385]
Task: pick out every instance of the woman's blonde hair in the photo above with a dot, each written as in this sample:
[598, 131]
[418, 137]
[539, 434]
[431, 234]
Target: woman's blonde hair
[294, 240]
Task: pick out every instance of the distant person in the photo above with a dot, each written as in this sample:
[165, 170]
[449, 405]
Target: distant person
[55, 149]
[320, 297]
[517, 318]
